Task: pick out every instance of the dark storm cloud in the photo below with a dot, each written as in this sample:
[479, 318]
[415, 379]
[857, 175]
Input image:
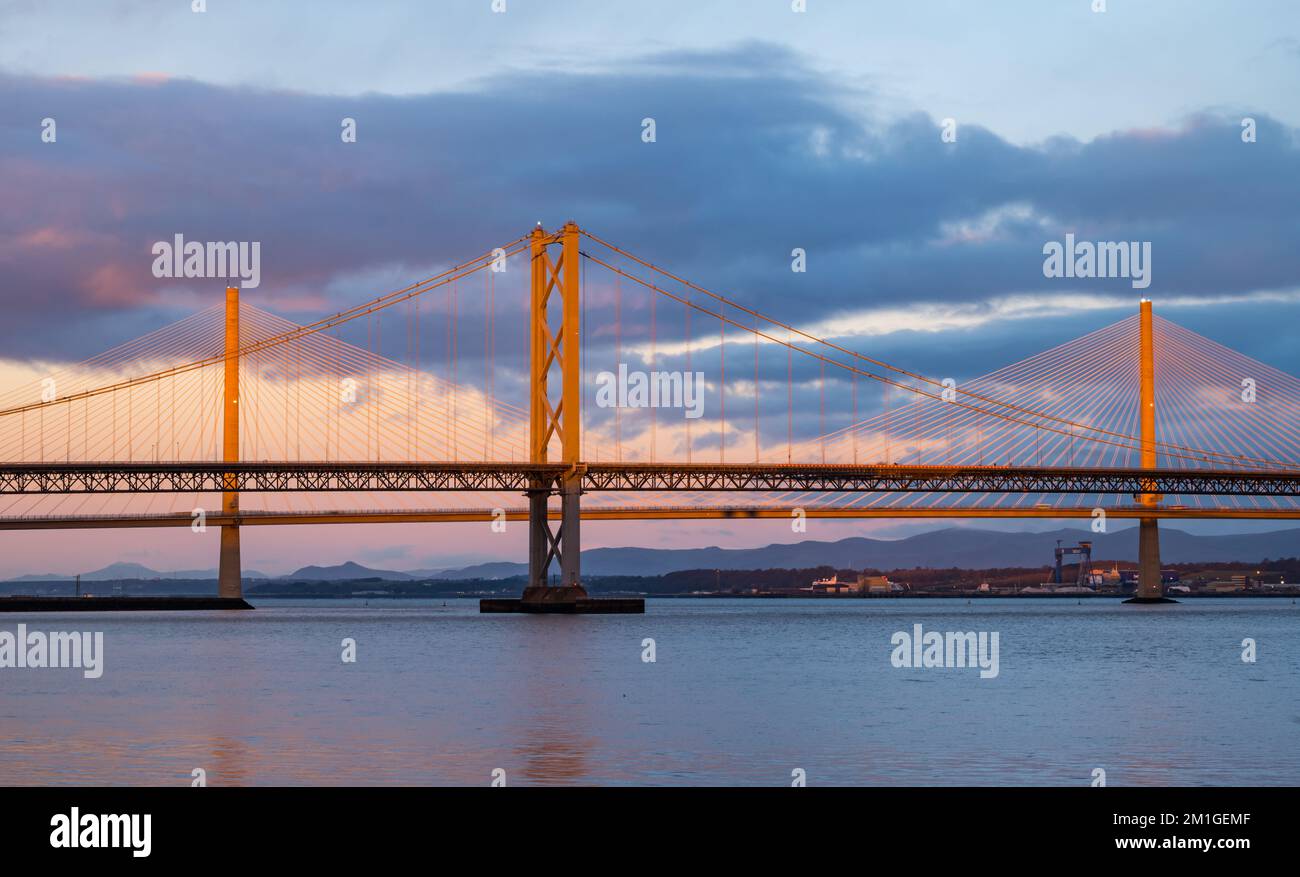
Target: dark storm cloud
[755, 155]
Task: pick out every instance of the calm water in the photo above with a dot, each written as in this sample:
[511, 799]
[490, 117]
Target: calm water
[742, 692]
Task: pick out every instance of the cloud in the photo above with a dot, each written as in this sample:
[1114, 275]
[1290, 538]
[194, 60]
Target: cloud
[756, 154]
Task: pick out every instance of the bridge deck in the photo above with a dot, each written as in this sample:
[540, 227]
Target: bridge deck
[627, 513]
[271, 477]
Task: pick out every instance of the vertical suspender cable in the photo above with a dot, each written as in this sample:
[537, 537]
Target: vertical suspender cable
[756, 388]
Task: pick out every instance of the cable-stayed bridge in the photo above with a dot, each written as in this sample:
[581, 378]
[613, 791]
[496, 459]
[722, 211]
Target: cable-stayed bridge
[560, 378]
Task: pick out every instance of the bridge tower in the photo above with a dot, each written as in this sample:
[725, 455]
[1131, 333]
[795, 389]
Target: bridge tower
[1150, 588]
[555, 345]
[229, 583]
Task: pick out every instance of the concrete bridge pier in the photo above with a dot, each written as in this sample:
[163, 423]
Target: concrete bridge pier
[229, 580]
[1150, 588]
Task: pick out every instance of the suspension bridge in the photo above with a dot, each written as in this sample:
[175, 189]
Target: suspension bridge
[454, 398]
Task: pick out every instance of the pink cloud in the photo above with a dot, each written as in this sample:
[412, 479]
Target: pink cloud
[151, 77]
[113, 285]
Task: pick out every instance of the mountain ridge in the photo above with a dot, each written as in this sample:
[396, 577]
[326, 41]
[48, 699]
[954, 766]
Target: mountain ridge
[960, 547]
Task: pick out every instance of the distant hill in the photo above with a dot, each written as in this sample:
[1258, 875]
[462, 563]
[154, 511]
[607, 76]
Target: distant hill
[500, 569]
[953, 547]
[966, 548]
[344, 572]
[132, 571]
[426, 573]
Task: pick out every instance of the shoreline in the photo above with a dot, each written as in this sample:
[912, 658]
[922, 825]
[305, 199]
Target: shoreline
[845, 598]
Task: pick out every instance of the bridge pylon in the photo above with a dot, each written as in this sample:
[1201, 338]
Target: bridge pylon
[1150, 587]
[229, 573]
[555, 414]
[555, 317]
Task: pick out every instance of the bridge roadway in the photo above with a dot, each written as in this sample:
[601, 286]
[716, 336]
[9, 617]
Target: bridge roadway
[306, 477]
[622, 513]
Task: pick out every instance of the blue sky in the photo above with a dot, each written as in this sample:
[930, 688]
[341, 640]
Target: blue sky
[776, 130]
[1027, 69]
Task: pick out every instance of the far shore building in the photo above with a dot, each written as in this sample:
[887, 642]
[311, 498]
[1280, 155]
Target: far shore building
[864, 585]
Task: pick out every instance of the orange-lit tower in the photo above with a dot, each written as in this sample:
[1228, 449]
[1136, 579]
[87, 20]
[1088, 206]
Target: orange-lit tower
[1150, 587]
[229, 583]
[555, 341]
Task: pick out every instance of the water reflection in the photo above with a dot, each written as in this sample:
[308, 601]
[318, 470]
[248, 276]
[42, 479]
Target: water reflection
[743, 692]
[548, 710]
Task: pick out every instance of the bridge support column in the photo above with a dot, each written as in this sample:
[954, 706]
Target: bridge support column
[570, 529]
[229, 572]
[563, 545]
[556, 287]
[555, 347]
[541, 541]
[1150, 587]
[229, 583]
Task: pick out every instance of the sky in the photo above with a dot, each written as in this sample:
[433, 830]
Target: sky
[774, 129]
